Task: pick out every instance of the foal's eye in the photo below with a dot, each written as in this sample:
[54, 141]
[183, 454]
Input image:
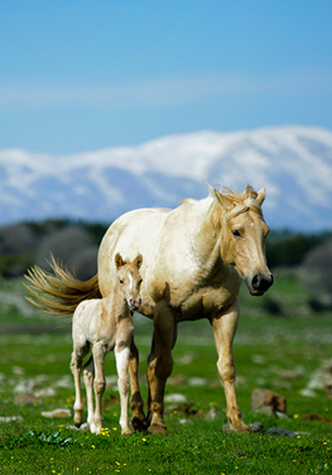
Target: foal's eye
[236, 233]
[121, 282]
[139, 283]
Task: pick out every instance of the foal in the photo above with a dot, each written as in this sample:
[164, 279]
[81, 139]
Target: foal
[107, 324]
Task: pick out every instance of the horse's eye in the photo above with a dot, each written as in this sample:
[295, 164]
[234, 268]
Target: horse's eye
[121, 282]
[139, 283]
[236, 233]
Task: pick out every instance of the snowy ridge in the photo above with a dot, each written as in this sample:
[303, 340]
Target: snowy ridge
[293, 163]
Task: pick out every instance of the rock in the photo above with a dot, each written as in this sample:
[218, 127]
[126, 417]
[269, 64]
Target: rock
[186, 359]
[212, 414]
[25, 386]
[175, 398]
[256, 427]
[25, 399]
[258, 359]
[65, 382]
[268, 401]
[279, 431]
[111, 380]
[291, 374]
[196, 382]
[11, 419]
[306, 392]
[178, 380]
[45, 392]
[57, 413]
[314, 417]
[83, 427]
[18, 371]
[187, 408]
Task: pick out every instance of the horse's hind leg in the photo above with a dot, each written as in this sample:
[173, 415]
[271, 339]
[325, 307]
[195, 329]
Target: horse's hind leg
[224, 328]
[89, 373]
[138, 420]
[160, 364]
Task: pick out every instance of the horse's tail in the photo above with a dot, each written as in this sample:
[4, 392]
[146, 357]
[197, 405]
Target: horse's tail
[58, 293]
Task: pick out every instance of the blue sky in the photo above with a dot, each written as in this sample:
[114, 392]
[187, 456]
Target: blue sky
[80, 75]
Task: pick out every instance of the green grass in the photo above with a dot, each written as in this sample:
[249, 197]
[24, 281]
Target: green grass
[264, 347]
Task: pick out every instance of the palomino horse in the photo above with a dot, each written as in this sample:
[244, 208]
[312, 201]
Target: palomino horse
[194, 259]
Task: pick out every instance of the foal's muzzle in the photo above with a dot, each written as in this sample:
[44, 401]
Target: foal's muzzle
[134, 304]
[259, 284]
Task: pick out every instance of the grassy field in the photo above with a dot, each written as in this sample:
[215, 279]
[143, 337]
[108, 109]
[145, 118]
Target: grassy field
[285, 353]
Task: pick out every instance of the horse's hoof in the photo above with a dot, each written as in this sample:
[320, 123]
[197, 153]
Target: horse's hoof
[126, 432]
[77, 424]
[157, 429]
[138, 424]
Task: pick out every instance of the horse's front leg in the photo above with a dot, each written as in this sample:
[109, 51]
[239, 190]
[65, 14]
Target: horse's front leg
[160, 364]
[138, 420]
[122, 356]
[224, 329]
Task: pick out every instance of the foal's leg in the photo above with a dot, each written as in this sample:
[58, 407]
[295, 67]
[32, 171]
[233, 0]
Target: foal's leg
[138, 420]
[99, 354]
[224, 328]
[76, 368]
[160, 364]
[122, 356]
[89, 374]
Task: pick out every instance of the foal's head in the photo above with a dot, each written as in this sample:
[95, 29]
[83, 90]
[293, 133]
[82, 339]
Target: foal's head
[243, 237]
[129, 280]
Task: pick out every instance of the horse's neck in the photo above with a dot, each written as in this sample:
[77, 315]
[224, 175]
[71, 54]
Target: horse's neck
[206, 239]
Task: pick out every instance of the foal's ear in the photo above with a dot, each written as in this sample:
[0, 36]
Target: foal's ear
[138, 261]
[260, 196]
[119, 262]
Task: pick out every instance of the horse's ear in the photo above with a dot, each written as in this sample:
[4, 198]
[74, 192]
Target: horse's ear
[119, 262]
[225, 202]
[138, 261]
[260, 196]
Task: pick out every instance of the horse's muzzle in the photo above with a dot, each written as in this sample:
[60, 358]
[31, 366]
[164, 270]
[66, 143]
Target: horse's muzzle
[259, 284]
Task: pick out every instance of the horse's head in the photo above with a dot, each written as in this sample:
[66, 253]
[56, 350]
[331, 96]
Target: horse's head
[129, 280]
[243, 235]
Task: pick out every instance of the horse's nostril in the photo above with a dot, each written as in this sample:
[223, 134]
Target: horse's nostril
[256, 282]
[261, 282]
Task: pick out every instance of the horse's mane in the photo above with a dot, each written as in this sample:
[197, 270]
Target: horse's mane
[242, 202]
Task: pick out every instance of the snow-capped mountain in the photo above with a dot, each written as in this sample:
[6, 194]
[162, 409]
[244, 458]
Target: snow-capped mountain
[293, 163]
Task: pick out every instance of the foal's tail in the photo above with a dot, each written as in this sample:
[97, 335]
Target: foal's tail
[58, 293]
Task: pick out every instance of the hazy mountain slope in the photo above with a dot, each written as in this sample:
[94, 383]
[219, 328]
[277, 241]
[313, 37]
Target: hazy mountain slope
[294, 164]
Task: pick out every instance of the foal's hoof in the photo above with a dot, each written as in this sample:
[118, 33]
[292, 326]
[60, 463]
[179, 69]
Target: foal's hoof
[138, 424]
[157, 429]
[77, 424]
[238, 428]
